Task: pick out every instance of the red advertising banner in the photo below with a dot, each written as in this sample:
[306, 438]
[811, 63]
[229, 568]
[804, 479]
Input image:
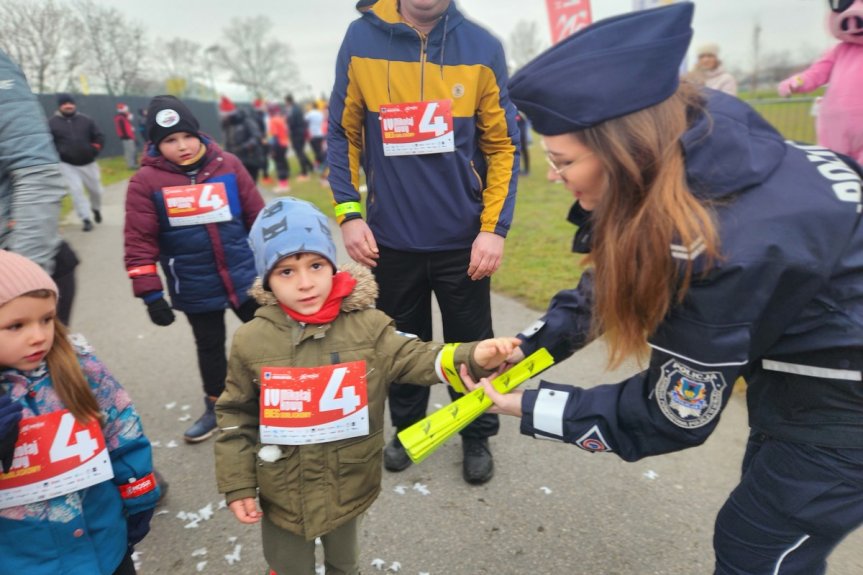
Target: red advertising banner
[566, 17]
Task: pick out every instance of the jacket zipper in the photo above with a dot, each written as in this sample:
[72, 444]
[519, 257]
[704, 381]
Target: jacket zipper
[423, 46]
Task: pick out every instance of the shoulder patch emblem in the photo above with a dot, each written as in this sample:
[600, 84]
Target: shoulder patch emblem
[593, 441]
[687, 397]
[457, 90]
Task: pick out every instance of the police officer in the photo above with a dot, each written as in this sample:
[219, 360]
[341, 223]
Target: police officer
[718, 250]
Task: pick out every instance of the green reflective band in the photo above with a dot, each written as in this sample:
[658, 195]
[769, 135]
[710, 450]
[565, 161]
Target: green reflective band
[348, 208]
[447, 365]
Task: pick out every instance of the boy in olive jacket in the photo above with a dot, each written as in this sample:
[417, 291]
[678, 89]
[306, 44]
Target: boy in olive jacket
[302, 414]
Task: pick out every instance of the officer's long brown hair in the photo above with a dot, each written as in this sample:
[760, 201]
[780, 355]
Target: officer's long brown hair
[67, 378]
[647, 207]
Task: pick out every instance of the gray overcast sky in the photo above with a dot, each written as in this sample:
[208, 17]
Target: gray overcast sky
[314, 28]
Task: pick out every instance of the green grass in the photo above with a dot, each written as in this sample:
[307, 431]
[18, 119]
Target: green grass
[537, 258]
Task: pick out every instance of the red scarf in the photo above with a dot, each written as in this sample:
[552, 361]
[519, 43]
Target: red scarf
[343, 285]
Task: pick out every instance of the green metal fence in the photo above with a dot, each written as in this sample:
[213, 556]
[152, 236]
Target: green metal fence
[793, 117]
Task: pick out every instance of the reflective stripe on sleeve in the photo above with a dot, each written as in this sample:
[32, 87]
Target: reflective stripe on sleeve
[446, 370]
[548, 411]
[138, 487]
[348, 208]
[811, 370]
[142, 271]
[533, 328]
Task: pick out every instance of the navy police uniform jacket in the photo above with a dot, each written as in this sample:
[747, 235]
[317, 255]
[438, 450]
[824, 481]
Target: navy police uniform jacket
[783, 306]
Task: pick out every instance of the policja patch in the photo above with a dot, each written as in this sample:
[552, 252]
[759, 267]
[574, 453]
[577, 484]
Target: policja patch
[689, 398]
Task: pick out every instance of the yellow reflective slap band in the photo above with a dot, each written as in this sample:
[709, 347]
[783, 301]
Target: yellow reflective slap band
[422, 438]
[447, 364]
[348, 208]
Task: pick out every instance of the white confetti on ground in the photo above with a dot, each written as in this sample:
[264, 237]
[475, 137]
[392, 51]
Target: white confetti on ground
[199, 552]
[186, 417]
[206, 512]
[223, 504]
[232, 539]
[400, 489]
[650, 474]
[546, 490]
[171, 444]
[234, 557]
[421, 488]
[156, 443]
[162, 512]
[199, 566]
[186, 407]
[378, 564]
[171, 405]
[395, 566]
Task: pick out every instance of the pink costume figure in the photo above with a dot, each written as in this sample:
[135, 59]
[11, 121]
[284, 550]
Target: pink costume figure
[840, 114]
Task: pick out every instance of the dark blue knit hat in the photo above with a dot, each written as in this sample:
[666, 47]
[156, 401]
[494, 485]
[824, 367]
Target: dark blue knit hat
[609, 69]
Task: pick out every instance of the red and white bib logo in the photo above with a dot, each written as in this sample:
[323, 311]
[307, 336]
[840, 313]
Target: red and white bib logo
[413, 128]
[197, 204]
[301, 405]
[54, 455]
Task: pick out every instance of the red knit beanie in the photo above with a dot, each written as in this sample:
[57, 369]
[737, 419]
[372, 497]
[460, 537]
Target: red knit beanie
[226, 105]
[18, 276]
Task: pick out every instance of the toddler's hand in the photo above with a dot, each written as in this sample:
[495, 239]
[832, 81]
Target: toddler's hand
[246, 510]
[490, 353]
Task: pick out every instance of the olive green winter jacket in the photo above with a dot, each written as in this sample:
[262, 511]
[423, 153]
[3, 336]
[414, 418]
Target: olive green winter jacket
[312, 489]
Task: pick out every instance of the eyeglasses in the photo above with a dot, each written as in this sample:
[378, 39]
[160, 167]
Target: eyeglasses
[839, 6]
[561, 170]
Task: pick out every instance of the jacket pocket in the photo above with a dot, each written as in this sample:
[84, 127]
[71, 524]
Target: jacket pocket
[279, 482]
[359, 468]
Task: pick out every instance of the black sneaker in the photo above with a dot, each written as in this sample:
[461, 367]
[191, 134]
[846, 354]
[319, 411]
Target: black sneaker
[395, 456]
[97, 215]
[478, 465]
[88, 225]
[205, 426]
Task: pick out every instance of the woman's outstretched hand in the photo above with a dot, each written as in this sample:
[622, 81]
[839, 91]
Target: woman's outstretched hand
[504, 403]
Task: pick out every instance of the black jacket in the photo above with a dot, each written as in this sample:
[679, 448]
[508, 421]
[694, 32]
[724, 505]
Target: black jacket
[77, 138]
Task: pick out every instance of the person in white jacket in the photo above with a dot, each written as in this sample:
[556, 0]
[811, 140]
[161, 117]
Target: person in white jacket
[709, 71]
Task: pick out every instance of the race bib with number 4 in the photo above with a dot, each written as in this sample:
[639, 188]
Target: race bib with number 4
[55, 455]
[197, 204]
[414, 128]
[302, 405]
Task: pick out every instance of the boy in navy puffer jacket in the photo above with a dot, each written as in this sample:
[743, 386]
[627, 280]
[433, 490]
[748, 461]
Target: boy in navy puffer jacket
[190, 207]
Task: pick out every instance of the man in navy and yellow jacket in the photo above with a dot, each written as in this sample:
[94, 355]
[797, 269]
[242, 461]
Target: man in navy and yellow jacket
[420, 103]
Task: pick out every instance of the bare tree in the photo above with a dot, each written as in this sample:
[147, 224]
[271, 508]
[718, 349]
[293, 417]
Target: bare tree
[254, 59]
[116, 45]
[524, 43]
[36, 34]
[181, 63]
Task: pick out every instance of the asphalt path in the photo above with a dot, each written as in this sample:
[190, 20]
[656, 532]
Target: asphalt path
[550, 508]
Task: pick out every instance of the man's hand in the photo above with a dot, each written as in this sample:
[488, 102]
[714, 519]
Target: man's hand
[245, 510]
[490, 353]
[360, 242]
[504, 403]
[485, 255]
